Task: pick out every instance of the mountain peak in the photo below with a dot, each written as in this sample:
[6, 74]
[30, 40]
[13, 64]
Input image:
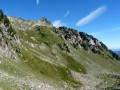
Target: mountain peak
[46, 21]
[44, 18]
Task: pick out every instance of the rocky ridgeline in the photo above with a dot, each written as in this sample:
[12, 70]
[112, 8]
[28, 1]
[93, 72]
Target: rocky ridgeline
[77, 39]
[82, 40]
[22, 24]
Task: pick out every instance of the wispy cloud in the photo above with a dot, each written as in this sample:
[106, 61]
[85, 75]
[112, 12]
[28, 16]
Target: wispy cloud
[57, 23]
[67, 13]
[95, 34]
[37, 1]
[90, 17]
[114, 29]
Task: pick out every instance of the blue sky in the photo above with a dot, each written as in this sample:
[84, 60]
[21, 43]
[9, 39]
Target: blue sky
[100, 18]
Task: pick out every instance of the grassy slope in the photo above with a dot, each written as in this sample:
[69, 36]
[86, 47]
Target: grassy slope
[31, 61]
[45, 68]
[52, 64]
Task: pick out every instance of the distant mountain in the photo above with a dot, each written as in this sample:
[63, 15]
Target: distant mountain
[117, 52]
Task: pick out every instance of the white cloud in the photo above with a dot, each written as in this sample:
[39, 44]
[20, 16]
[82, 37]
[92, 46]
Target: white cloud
[95, 34]
[90, 17]
[67, 13]
[37, 1]
[57, 23]
[113, 46]
[114, 29]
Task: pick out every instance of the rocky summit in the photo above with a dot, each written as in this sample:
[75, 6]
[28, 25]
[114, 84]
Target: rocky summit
[35, 55]
[19, 23]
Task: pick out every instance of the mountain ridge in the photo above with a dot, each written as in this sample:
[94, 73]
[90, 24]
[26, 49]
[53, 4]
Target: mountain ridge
[25, 24]
[42, 57]
[45, 22]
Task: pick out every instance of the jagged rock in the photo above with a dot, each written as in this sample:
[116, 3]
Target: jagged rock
[82, 40]
[97, 43]
[46, 22]
[18, 50]
[91, 42]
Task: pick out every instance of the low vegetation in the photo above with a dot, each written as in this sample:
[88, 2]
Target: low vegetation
[54, 58]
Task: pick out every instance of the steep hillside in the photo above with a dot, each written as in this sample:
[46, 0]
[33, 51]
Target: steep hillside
[36, 55]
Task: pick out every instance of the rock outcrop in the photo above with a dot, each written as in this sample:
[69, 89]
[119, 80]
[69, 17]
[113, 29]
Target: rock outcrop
[83, 40]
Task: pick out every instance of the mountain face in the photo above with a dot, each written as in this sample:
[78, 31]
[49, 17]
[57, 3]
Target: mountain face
[36, 55]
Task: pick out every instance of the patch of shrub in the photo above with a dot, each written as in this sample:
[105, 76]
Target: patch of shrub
[6, 21]
[11, 31]
[1, 15]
